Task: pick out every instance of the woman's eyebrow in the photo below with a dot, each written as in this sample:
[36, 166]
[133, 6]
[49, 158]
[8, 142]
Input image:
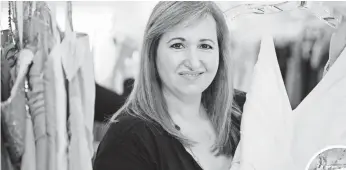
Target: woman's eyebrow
[204, 40]
[177, 38]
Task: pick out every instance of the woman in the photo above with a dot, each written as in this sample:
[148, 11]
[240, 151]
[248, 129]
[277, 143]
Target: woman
[181, 113]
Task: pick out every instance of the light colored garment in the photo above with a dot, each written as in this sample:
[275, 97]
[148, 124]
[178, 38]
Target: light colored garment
[38, 110]
[51, 112]
[265, 125]
[276, 137]
[320, 120]
[79, 70]
[29, 157]
[56, 109]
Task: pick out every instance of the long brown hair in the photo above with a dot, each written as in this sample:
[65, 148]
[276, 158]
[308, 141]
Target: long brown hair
[146, 100]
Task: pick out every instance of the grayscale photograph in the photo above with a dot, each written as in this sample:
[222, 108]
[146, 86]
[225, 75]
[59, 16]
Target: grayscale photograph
[173, 85]
[333, 158]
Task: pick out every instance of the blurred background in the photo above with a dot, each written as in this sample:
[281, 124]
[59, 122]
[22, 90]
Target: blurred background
[116, 32]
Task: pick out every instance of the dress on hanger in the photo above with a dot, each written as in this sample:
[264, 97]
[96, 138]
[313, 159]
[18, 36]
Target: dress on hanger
[319, 121]
[276, 137]
[78, 66]
[13, 118]
[29, 156]
[266, 122]
[5, 94]
[56, 101]
[38, 109]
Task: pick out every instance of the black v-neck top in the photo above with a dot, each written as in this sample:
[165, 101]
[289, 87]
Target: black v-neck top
[135, 144]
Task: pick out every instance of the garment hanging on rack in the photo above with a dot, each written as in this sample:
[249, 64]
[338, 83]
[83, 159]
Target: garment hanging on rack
[40, 96]
[79, 70]
[301, 77]
[6, 163]
[57, 102]
[13, 121]
[107, 102]
[5, 79]
[29, 157]
[294, 78]
[5, 38]
[319, 120]
[9, 52]
[265, 127]
[38, 109]
[5, 158]
[291, 137]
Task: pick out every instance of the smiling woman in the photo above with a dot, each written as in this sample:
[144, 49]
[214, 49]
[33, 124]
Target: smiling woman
[181, 113]
[187, 57]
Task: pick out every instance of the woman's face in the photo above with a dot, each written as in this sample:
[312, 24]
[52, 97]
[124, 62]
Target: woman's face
[188, 56]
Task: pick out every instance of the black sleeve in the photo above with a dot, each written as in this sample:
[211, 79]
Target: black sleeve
[122, 150]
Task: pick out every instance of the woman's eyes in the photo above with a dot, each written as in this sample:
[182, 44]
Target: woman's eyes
[177, 46]
[206, 46]
[181, 46]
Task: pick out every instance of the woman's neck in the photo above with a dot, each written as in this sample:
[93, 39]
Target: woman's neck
[182, 105]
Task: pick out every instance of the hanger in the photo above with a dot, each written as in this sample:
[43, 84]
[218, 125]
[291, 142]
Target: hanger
[69, 24]
[20, 22]
[316, 8]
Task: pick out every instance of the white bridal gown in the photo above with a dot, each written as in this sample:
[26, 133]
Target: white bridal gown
[273, 136]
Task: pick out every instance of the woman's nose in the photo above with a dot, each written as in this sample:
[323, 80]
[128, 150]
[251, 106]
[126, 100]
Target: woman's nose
[193, 59]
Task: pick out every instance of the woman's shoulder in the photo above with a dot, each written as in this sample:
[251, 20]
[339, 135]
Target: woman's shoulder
[129, 131]
[128, 142]
[126, 124]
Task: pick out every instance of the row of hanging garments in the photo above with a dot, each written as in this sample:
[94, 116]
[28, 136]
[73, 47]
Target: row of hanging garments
[47, 92]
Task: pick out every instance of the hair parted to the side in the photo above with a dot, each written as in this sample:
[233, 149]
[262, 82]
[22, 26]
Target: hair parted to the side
[146, 100]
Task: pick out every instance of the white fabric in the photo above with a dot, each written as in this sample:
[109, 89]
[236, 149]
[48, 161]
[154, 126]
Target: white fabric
[320, 119]
[54, 65]
[266, 121]
[276, 137]
[29, 156]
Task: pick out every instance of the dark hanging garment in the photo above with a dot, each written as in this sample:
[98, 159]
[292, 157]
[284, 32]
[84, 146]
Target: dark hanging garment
[107, 102]
[5, 79]
[6, 163]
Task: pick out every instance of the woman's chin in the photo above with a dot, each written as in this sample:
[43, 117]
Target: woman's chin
[192, 90]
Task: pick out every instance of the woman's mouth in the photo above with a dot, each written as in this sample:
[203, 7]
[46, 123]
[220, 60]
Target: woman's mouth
[190, 75]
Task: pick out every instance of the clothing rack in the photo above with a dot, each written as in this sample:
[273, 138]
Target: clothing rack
[41, 85]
